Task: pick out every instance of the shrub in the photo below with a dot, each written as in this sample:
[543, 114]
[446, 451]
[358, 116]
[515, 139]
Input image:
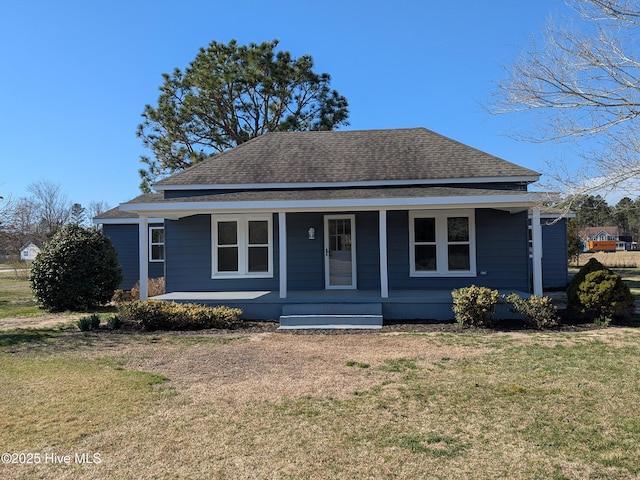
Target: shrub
[604, 296]
[162, 315]
[114, 323]
[91, 322]
[574, 306]
[77, 270]
[539, 311]
[474, 306]
[120, 296]
[155, 287]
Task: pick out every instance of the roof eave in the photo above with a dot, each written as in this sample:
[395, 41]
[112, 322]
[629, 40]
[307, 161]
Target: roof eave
[175, 210]
[520, 179]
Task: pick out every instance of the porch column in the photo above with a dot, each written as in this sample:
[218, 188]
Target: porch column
[536, 238]
[282, 252]
[384, 272]
[143, 247]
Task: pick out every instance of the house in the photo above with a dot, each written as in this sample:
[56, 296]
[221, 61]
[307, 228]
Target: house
[342, 227]
[605, 239]
[29, 252]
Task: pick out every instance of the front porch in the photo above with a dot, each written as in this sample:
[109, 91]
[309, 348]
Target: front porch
[268, 305]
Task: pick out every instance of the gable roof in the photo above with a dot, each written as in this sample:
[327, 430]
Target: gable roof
[354, 158]
[591, 232]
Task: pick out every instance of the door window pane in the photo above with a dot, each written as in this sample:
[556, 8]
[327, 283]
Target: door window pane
[340, 235]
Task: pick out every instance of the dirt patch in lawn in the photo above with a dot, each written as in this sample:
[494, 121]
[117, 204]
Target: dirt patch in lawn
[272, 366]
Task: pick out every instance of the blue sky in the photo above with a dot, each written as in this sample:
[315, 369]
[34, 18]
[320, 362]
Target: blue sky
[76, 75]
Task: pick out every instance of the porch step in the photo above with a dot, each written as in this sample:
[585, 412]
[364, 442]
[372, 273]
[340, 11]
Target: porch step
[331, 316]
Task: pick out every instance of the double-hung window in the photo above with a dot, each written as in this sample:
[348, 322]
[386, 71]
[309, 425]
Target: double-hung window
[242, 246]
[156, 244]
[442, 243]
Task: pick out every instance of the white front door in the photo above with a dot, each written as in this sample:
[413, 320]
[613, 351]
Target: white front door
[340, 251]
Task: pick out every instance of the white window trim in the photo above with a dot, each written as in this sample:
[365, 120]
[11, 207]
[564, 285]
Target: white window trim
[243, 246]
[442, 260]
[152, 243]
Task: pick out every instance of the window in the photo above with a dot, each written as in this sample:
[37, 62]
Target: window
[242, 246]
[442, 243]
[156, 244]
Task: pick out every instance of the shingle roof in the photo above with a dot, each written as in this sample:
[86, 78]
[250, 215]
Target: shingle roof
[116, 213]
[417, 192]
[346, 156]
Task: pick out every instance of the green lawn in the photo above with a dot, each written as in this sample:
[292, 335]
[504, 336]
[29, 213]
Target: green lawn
[16, 299]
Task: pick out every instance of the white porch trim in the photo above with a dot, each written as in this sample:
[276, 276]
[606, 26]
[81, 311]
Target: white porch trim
[143, 238]
[384, 270]
[282, 253]
[516, 201]
[536, 243]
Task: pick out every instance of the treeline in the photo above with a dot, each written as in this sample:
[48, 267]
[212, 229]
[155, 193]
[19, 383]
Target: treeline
[594, 211]
[38, 217]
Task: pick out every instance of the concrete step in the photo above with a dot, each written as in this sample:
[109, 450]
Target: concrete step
[331, 316]
[332, 308]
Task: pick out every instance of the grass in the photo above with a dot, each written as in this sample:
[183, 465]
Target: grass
[614, 259]
[441, 405]
[62, 400]
[512, 405]
[16, 299]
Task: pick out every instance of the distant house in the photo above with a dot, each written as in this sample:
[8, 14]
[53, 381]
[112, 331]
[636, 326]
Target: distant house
[341, 226]
[29, 252]
[599, 239]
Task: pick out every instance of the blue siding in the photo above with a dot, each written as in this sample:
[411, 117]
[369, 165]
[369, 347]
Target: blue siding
[502, 243]
[305, 258]
[368, 250]
[125, 240]
[189, 262]
[501, 252]
[554, 254]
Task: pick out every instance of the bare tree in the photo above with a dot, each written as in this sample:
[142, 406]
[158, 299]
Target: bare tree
[96, 208]
[581, 84]
[53, 206]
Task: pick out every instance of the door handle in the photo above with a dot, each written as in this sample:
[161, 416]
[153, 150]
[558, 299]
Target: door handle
[326, 252]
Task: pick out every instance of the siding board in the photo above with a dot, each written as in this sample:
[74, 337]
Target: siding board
[554, 254]
[124, 238]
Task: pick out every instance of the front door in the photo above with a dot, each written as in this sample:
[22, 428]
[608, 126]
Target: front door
[340, 251]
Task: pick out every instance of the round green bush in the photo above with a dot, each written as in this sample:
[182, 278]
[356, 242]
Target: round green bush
[77, 270]
[604, 296]
[574, 306]
[474, 306]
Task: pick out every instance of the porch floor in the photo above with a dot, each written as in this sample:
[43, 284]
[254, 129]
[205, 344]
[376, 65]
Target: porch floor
[267, 305]
[313, 296]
